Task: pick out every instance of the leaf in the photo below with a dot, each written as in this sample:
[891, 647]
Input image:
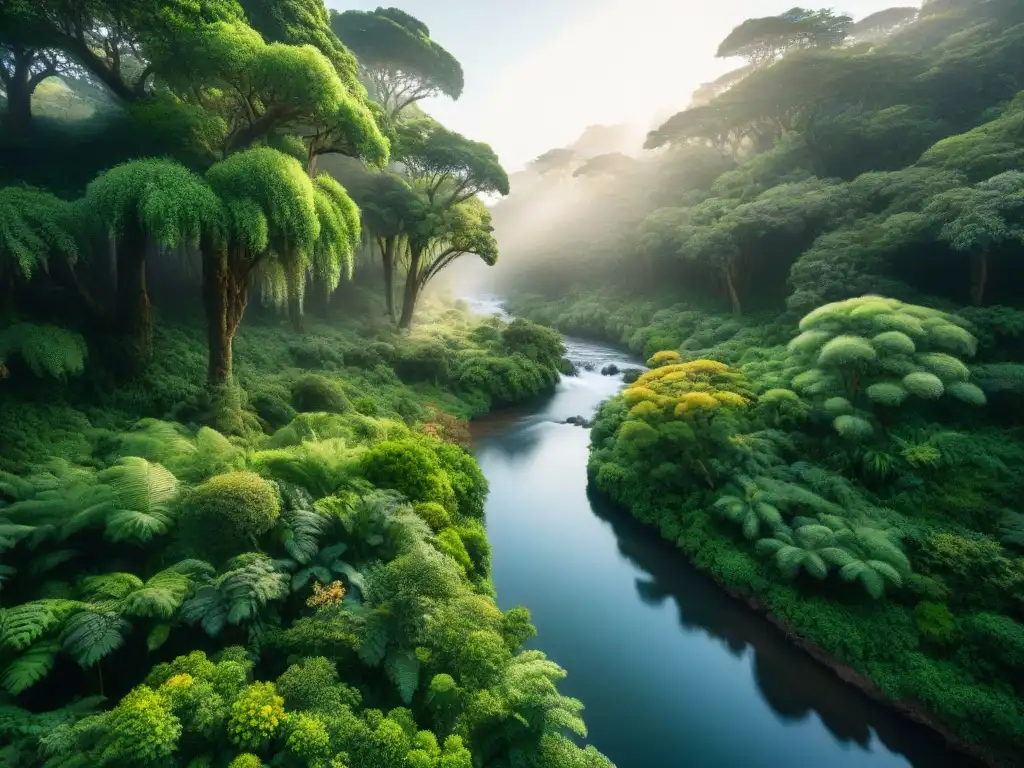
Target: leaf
[89, 635]
[158, 636]
[404, 670]
[373, 643]
[29, 668]
[22, 625]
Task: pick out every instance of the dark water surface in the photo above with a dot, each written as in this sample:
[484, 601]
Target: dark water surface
[672, 671]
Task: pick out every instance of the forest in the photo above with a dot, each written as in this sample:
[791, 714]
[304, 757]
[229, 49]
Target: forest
[819, 261]
[239, 523]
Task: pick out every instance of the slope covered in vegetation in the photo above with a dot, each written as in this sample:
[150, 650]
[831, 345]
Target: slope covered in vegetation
[232, 535]
[819, 259]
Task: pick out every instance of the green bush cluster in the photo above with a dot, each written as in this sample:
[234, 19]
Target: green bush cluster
[869, 523]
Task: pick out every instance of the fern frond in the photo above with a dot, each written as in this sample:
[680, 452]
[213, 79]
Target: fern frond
[48, 350]
[374, 640]
[89, 635]
[160, 597]
[21, 625]
[404, 670]
[29, 668]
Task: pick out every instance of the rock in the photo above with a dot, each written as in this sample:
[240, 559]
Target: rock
[568, 368]
[578, 421]
[631, 374]
[588, 366]
[610, 370]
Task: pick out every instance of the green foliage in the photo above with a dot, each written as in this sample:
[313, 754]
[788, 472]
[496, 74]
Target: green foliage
[256, 716]
[314, 393]
[410, 468]
[228, 511]
[48, 350]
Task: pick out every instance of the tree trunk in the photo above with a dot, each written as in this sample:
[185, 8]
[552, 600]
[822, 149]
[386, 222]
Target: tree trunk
[132, 312]
[387, 253]
[19, 95]
[734, 297]
[295, 314]
[980, 280]
[412, 289]
[224, 297]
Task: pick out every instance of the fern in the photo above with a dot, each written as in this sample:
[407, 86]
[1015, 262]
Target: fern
[90, 635]
[374, 639]
[300, 533]
[22, 625]
[160, 597]
[236, 596]
[48, 350]
[322, 467]
[143, 499]
[404, 670]
[29, 668]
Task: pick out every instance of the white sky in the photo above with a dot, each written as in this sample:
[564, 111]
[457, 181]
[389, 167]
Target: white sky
[622, 61]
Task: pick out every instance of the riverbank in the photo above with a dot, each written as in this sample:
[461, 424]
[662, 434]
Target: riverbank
[941, 645]
[276, 549]
[639, 630]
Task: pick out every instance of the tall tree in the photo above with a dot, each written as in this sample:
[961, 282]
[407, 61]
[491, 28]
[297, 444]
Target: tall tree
[399, 59]
[441, 238]
[555, 162]
[447, 169]
[274, 228]
[883, 22]
[977, 221]
[389, 208]
[762, 40]
[137, 202]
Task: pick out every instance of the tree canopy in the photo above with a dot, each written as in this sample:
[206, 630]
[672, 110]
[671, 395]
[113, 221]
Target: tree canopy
[401, 62]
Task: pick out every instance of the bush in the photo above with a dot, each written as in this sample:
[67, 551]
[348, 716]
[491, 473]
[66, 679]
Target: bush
[223, 515]
[315, 394]
[433, 514]
[935, 623]
[410, 468]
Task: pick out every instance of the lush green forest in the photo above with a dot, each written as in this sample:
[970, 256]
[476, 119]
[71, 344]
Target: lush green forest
[239, 525]
[820, 261]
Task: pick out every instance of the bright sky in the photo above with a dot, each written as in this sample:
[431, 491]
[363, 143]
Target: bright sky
[539, 71]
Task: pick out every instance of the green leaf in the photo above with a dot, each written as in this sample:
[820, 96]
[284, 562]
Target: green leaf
[29, 668]
[89, 635]
[404, 670]
[158, 636]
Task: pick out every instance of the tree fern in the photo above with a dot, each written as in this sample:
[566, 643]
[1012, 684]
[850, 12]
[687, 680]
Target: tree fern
[321, 467]
[404, 670]
[750, 507]
[160, 597]
[34, 225]
[48, 350]
[30, 667]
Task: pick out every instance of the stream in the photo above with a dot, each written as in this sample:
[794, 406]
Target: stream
[673, 672]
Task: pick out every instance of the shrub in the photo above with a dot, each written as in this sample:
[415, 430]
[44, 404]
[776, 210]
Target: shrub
[224, 514]
[256, 716]
[935, 623]
[314, 394]
[433, 514]
[141, 729]
[410, 468]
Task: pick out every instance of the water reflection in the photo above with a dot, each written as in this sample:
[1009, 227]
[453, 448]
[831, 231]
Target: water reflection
[791, 683]
[672, 670]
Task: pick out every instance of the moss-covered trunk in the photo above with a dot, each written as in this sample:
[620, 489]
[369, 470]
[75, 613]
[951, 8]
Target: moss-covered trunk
[225, 293]
[132, 306]
[979, 279]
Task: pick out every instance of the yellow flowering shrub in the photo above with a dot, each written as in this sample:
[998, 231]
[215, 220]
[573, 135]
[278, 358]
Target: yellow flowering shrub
[256, 715]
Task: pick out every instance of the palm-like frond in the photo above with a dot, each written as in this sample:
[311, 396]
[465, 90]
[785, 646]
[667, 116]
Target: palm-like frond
[143, 496]
[404, 670]
[30, 667]
[300, 531]
[321, 467]
[160, 597]
[21, 625]
[236, 596]
[90, 635]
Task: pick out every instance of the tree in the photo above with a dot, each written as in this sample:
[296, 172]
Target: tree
[270, 219]
[116, 43]
[389, 207]
[400, 60]
[883, 22]
[463, 228]
[553, 162]
[134, 203]
[447, 169]
[614, 164]
[761, 41]
[979, 220]
[22, 69]
[34, 226]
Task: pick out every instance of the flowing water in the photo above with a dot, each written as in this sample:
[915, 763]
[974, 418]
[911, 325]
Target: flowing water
[673, 672]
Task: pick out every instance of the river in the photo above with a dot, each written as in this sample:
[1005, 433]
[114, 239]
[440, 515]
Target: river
[672, 671]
